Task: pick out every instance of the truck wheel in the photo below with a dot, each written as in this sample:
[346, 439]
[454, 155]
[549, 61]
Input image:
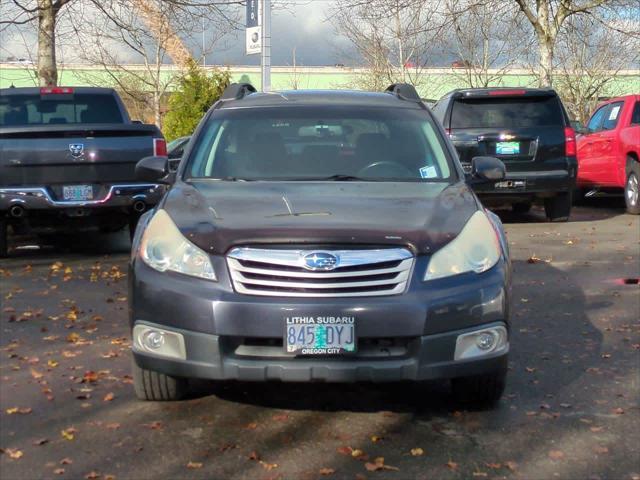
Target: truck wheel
[558, 208]
[521, 207]
[155, 386]
[632, 192]
[3, 239]
[481, 390]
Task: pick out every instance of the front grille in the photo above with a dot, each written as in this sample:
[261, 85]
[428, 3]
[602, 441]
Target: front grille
[275, 272]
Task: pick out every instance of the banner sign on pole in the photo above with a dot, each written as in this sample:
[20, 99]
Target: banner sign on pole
[253, 28]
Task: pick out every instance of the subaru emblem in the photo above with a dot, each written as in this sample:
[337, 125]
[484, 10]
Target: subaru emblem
[76, 149]
[320, 261]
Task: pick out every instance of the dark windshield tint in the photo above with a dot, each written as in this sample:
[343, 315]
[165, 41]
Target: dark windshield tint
[506, 112]
[315, 143]
[16, 110]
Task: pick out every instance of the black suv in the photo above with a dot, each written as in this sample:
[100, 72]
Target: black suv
[320, 236]
[529, 130]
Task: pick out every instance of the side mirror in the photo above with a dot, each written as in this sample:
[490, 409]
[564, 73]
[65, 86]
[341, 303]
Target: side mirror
[154, 169]
[487, 169]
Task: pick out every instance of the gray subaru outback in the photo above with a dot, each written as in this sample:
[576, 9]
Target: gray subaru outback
[326, 236]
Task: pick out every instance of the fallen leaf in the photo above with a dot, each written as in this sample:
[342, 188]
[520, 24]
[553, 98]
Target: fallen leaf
[344, 450]
[14, 453]
[376, 438]
[194, 465]
[480, 474]
[600, 450]
[59, 471]
[108, 397]
[416, 452]
[253, 456]
[89, 377]
[92, 475]
[452, 465]
[66, 461]
[378, 464]
[35, 374]
[68, 433]
[251, 426]
[73, 337]
[595, 429]
[40, 441]
[326, 471]
[268, 466]
[153, 425]
[556, 454]
[618, 411]
[511, 465]
[357, 453]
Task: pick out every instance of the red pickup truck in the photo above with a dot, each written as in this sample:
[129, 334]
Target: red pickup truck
[609, 150]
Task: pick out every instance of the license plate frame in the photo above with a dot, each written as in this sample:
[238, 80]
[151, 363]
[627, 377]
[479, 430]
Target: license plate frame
[77, 193]
[331, 336]
[507, 148]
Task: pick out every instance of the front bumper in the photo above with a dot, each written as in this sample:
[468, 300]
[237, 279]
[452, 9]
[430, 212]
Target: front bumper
[219, 326]
[41, 198]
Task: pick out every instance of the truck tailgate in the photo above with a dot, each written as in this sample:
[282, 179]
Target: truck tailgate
[89, 153]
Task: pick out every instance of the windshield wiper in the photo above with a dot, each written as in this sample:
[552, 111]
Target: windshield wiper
[344, 178]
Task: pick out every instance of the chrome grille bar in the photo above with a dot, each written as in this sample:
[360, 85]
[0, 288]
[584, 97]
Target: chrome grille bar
[279, 272]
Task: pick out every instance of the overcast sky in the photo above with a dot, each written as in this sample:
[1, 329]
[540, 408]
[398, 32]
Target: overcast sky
[303, 27]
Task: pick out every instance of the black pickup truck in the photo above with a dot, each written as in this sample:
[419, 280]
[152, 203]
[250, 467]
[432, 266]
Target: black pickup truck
[67, 161]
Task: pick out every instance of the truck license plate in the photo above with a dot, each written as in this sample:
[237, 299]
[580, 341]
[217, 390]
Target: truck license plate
[507, 148]
[320, 335]
[77, 192]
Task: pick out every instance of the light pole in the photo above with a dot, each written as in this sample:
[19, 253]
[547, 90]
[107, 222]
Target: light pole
[266, 45]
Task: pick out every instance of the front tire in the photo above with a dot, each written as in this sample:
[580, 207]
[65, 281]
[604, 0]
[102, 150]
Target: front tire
[632, 191]
[156, 386]
[480, 390]
[558, 208]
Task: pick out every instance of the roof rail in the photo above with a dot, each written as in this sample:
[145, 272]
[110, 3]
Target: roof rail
[404, 91]
[237, 91]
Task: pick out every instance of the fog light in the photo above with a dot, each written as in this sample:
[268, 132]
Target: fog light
[485, 341]
[153, 339]
[157, 341]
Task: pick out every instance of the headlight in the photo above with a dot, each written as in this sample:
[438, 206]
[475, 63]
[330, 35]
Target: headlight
[475, 249]
[164, 248]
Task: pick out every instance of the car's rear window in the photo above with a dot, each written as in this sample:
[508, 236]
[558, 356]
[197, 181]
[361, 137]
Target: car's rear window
[313, 143]
[506, 112]
[18, 110]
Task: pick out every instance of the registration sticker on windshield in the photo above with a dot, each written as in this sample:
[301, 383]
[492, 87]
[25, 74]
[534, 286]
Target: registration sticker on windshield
[429, 172]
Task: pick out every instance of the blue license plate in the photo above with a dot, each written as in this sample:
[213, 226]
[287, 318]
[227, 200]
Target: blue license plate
[508, 148]
[320, 335]
[77, 192]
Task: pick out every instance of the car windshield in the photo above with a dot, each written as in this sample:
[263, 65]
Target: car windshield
[506, 112]
[320, 143]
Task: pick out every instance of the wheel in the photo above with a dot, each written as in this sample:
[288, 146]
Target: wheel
[155, 386]
[558, 208]
[481, 390]
[632, 192]
[3, 239]
[521, 207]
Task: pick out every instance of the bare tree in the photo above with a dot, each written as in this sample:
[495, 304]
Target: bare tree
[46, 14]
[487, 38]
[590, 58]
[548, 18]
[393, 38]
[150, 32]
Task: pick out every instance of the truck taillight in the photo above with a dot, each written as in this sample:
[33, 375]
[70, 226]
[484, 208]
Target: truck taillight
[159, 147]
[570, 149]
[56, 91]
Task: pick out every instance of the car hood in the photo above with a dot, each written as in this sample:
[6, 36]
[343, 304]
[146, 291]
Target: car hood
[218, 215]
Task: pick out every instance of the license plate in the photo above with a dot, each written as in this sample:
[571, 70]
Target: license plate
[508, 148]
[77, 192]
[320, 335]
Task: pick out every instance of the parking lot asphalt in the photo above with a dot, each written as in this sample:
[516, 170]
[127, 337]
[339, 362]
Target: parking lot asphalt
[571, 408]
